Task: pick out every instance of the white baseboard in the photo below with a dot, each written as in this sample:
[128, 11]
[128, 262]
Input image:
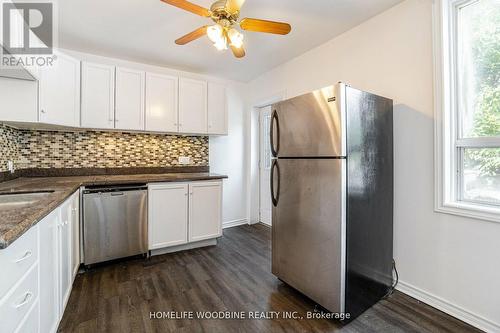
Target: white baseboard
[449, 308]
[234, 223]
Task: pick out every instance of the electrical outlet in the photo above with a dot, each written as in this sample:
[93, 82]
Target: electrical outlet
[184, 160]
[10, 166]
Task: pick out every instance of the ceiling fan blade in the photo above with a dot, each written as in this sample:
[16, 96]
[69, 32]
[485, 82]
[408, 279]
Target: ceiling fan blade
[270, 27]
[234, 6]
[189, 6]
[200, 32]
[238, 52]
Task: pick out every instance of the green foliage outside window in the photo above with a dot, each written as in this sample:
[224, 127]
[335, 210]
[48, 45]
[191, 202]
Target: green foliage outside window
[486, 58]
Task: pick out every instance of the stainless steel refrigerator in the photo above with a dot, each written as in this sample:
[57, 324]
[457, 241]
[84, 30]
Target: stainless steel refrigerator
[332, 195]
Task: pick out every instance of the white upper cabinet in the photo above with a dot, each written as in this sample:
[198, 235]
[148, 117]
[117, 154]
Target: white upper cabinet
[205, 210]
[217, 109]
[161, 103]
[98, 96]
[130, 85]
[59, 94]
[18, 100]
[192, 106]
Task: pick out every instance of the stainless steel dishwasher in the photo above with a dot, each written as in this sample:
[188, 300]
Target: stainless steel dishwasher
[114, 222]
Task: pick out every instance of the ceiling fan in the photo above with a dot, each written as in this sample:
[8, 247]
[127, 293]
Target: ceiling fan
[225, 14]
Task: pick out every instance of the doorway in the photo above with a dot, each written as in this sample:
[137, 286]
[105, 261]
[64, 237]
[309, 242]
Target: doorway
[265, 208]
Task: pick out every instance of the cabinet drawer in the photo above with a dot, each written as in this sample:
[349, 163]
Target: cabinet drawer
[16, 305]
[17, 259]
[30, 322]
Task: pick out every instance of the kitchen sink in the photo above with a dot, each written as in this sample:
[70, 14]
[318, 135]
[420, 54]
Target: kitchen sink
[14, 199]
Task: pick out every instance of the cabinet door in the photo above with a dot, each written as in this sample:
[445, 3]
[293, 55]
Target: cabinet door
[48, 265]
[205, 210]
[130, 85]
[60, 92]
[192, 106]
[161, 103]
[168, 215]
[30, 323]
[18, 100]
[98, 98]
[217, 109]
[75, 234]
[65, 247]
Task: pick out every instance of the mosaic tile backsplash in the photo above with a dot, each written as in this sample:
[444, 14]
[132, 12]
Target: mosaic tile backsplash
[9, 146]
[50, 149]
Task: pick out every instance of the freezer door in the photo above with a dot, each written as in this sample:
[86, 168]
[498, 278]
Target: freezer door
[309, 125]
[308, 235]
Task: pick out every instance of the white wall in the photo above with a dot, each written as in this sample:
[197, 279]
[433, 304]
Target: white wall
[448, 261]
[228, 156]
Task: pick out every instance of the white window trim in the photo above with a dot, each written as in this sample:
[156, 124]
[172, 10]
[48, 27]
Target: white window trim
[445, 155]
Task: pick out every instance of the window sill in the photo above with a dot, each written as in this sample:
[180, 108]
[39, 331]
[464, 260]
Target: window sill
[471, 210]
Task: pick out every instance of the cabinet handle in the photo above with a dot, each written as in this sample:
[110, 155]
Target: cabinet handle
[42, 111]
[26, 299]
[26, 256]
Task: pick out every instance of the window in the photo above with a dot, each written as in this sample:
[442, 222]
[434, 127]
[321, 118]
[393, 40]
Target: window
[467, 45]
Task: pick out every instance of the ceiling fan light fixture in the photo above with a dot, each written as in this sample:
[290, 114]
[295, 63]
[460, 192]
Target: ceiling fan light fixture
[226, 16]
[215, 33]
[221, 44]
[235, 37]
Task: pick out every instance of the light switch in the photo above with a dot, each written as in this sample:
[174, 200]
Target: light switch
[10, 166]
[183, 160]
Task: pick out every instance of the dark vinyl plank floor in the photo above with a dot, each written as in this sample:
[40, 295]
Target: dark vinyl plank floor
[233, 276]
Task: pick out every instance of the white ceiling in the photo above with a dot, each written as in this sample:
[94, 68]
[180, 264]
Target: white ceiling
[145, 30]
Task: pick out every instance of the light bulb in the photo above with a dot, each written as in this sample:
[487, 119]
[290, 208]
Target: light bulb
[235, 37]
[221, 44]
[214, 32]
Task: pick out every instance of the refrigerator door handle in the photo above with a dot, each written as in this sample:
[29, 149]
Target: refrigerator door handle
[274, 120]
[276, 198]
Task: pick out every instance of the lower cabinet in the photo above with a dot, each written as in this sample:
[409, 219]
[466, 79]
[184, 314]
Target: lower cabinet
[30, 322]
[49, 290]
[180, 213]
[75, 234]
[168, 215]
[64, 242]
[205, 211]
[57, 238]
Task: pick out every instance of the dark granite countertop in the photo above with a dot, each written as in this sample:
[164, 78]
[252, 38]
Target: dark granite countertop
[15, 221]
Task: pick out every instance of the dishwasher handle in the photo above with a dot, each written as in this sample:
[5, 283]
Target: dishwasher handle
[115, 190]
